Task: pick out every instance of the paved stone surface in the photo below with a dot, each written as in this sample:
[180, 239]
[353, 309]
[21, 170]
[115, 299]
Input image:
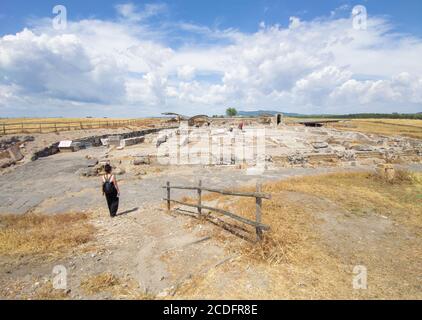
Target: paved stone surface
[52, 184]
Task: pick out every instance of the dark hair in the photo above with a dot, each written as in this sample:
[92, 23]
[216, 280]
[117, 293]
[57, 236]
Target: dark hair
[107, 168]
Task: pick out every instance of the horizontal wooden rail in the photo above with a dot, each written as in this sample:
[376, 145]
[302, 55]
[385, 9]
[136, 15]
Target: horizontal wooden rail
[51, 126]
[226, 192]
[257, 195]
[231, 215]
[70, 122]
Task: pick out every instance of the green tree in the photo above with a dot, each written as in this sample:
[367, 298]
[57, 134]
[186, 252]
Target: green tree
[231, 112]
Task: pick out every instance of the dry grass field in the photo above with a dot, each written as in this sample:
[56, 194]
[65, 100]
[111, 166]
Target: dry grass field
[321, 227]
[43, 236]
[389, 127]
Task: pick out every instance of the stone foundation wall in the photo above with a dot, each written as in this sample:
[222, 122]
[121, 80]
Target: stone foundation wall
[95, 141]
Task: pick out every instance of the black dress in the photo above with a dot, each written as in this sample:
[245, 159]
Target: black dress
[112, 201]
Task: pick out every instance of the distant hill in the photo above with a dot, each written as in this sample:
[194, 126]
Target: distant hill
[416, 116]
[336, 116]
[260, 112]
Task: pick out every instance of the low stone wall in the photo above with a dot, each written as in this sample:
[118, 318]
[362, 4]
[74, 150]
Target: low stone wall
[49, 151]
[131, 141]
[95, 141]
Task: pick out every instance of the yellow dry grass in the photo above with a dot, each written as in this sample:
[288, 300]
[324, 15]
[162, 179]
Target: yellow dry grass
[388, 127]
[47, 292]
[362, 193]
[293, 261]
[109, 283]
[41, 235]
[101, 282]
[403, 122]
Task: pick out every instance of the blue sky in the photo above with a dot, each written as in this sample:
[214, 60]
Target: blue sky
[244, 15]
[127, 58]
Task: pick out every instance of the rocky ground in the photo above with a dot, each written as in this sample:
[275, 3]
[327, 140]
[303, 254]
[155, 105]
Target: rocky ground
[144, 243]
[16, 150]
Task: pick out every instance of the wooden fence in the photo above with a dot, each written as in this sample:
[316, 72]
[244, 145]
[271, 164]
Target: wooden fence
[258, 195]
[45, 127]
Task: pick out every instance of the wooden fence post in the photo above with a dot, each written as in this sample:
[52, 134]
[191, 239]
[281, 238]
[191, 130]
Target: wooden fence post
[168, 195]
[4, 128]
[258, 212]
[55, 127]
[40, 128]
[199, 198]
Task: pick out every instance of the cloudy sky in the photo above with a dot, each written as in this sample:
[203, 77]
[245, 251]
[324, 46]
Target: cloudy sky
[127, 59]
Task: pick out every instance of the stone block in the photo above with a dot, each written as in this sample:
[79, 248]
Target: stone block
[131, 141]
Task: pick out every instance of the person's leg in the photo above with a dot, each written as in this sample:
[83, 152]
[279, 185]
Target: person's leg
[110, 203]
[114, 206]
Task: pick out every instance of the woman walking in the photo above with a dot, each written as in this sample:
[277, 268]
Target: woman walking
[111, 190]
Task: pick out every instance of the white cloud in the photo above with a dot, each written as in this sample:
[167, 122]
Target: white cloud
[128, 66]
[186, 72]
[58, 66]
[131, 12]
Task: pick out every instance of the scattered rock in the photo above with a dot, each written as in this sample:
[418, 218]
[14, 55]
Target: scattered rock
[142, 160]
[346, 155]
[162, 139]
[364, 148]
[5, 143]
[268, 158]
[88, 172]
[297, 158]
[320, 145]
[15, 153]
[4, 163]
[165, 293]
[119, 171]
[10, 156]
[92, 162]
